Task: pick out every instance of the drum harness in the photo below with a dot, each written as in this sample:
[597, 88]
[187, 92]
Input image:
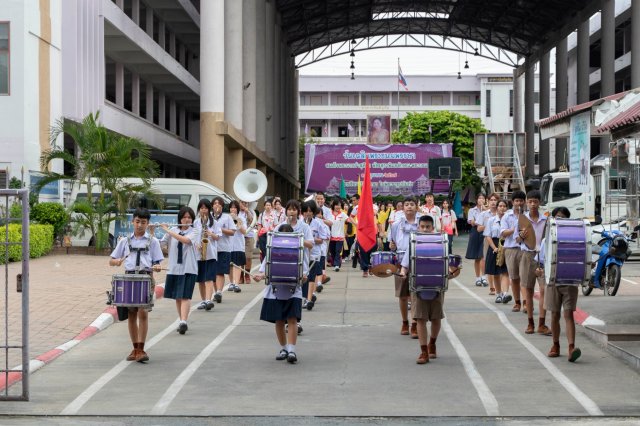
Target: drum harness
[138, 250]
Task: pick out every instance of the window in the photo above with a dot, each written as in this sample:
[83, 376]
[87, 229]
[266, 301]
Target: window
[436, 100]
[343, 100]
[463, 100]
[4, 58]
[343, 131]
[561, 191]
[376, 100]
[315, 100]
[488, 103]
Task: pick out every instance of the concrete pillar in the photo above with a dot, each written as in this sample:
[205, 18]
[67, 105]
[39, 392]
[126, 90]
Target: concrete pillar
[135, 11]
[172, 44]
[517, 114]
[212, 61]
[267, 194]
[248, 163]
[529, 125]
[182, 55]
[161, 34]
[271, 185]
[608, 47]
[162, 113]
[135, 93]
[182, 117]
[270, 30]
[119, 84]
[233, 62]
[249, 60]
[120, 4]
[583, 62]
[545, 93]
[261, 74]
[561, 97]
[149, 23]
[173, 116]
[149, 101]
[232, 168]
[277, 93]
[635, 44]
[296, 104]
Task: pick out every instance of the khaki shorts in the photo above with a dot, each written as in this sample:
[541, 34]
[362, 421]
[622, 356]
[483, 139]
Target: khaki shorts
[402, 286]
[512, 257]
[249, 244]
[564, 296]
[528, 270]
[427, 310]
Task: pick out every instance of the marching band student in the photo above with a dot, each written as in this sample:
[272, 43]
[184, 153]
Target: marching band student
[249, 239]
[227, 228]
[205, 228]
[476, 241]
[528, 263]
[399, 240]
[431, 209]
[326, 236]
[140, 253]
[183, 267]
[326, 218]
[266, 223]
[238, 256]
[320, 233]
[337, 233]
[482, 221]
[557, 298]
[425, 310]
[281, 312]
[512, 252]
[498, 275]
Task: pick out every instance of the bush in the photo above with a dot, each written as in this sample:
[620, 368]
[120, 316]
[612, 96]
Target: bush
[51, 213]
[15, 213]
[40, 241]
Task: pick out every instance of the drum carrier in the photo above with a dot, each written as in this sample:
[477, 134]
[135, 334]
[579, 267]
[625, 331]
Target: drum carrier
[283, 268]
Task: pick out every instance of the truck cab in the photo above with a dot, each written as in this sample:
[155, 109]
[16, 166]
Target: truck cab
[555, 193]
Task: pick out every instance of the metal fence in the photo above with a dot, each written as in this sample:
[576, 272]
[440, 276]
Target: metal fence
[14, 344]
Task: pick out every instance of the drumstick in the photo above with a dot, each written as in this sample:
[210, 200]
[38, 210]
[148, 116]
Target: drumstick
[244, 270]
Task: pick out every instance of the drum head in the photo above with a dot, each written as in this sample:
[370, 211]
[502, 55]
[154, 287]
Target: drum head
[384, 270]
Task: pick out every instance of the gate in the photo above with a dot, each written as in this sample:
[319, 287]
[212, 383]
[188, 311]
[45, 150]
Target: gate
[14, 300]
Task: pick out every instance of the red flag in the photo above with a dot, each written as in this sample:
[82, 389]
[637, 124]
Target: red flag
[366, 233]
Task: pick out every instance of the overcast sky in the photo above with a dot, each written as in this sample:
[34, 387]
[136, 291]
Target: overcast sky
[413, 60]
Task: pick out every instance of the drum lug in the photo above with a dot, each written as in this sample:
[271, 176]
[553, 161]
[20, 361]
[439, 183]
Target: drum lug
[109, 297]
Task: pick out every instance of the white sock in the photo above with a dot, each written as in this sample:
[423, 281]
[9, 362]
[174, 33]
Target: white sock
[285, 347]
[478, 278]
[292, 348]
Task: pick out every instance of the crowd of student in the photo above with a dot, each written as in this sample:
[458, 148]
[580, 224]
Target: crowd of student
[329, 235]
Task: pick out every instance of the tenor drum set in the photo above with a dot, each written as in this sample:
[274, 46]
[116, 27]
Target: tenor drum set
[131, 291]
[567, 252]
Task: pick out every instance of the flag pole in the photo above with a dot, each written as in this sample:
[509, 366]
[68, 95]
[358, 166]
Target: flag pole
[398, 94]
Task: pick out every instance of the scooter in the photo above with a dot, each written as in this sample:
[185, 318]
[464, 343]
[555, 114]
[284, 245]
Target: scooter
[614, 251]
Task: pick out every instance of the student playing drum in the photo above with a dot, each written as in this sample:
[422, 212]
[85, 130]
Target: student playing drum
[140, 253]
[423, 310]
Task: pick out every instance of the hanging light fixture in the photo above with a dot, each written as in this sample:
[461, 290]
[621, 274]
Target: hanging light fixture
[459, 76]
[476, 52]
[466, 64]
[353, 41]
[352, 66]
[352, 77]
[353, 53]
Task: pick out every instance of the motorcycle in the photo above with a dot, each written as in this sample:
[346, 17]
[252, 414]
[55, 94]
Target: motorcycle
[614, 251]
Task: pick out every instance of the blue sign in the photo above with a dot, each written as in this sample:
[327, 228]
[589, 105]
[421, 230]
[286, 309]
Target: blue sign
[51, 190]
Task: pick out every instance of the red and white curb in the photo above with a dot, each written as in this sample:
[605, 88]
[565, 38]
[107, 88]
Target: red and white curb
[579, 316]
[104, 320]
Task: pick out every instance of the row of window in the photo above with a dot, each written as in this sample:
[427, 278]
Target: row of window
[4, 58]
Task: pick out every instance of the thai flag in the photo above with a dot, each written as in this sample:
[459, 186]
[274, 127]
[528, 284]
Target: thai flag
[401, 79]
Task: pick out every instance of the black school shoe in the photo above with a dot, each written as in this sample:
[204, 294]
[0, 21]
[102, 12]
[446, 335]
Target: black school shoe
[310, 305]
[209, 305]
[183, 327]
[282, 355]
[292, 358]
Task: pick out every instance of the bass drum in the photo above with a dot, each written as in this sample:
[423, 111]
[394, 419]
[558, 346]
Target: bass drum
[429, 260]
[283, 268]
[567, 252]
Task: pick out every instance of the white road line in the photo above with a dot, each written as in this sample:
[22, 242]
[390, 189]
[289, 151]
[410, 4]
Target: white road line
[161, 406]
[484, 393]
[587, 403]
[629, 281]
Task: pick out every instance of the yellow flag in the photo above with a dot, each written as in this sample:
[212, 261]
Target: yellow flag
[359, 185]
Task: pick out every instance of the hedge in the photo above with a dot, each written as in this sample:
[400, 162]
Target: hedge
[40, 241]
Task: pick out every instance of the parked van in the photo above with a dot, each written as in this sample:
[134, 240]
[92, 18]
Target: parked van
[174, 193]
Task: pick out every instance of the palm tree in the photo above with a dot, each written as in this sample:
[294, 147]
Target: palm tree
[103, 160]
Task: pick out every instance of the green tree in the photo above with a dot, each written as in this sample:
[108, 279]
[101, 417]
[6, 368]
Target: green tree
[102, 161]
[446, 127]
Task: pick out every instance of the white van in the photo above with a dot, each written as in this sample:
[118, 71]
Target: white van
[175, 193]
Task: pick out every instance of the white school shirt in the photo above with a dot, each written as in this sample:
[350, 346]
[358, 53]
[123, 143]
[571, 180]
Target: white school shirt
[509, 221]
[401, 233]
[337, 226]
[538, 229]
[319, 230]
[474, 214]
[492, 227]
[212, 247]
[147, 259]
[189, 264]
[225, 222]
[237, 240]
[251, 233]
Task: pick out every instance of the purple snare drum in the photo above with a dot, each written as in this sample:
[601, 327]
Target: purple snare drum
[383, 263]
[284, 262]
[455, 260]
[567, 251]
[429, 264]
[131, 290]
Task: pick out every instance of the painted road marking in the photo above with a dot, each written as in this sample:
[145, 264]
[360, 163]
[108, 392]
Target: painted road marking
[589, 405]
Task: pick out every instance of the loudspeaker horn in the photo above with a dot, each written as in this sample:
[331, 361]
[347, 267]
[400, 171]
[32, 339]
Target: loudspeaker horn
[250, 185]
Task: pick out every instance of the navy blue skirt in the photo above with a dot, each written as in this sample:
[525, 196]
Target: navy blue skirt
[280, 310]
[239, 258]
[179, 286]
[224, 259]
[475, 245]
[490, 267]
[206, 270]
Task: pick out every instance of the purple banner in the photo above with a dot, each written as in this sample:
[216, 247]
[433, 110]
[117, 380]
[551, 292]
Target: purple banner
[395, 169]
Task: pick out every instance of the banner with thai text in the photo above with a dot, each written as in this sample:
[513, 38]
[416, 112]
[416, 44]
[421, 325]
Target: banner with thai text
[580, 153]
[395, 169]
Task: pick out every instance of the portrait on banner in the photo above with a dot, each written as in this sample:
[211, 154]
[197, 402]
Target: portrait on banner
[379, 129]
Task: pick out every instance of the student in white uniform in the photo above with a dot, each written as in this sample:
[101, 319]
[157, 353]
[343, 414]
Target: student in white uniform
[206, 229]
[237, 245]
[228, 228]
[183, 267]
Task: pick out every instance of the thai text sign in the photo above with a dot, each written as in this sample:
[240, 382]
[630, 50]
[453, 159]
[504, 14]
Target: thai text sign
[395, 169]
